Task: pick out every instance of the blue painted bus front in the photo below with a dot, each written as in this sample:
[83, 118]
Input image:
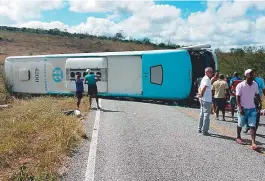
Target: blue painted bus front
[176, 75]
[175, 83]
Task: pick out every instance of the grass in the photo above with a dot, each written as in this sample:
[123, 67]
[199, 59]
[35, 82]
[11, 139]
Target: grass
[36, 137]
[3, 90]
[35, 132]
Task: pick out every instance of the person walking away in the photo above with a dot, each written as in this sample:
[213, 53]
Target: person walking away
[220, 90]
[246, 91]
[90, 79]
[205, 95]
[261, 88]
[79, 89]
[233, 83]
[213, 79]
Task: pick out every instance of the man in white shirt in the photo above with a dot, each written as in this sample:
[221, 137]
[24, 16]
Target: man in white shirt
[205, 94]
[246, 91]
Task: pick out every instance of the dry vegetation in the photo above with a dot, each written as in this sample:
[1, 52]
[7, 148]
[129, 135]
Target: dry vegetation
[35, 132]
[36, 135]
[23, 43]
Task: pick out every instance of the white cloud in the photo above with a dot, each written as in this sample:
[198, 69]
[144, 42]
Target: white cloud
[260, 23]
[43, 25]
[223, 24]
[96, 26]
[17, 11]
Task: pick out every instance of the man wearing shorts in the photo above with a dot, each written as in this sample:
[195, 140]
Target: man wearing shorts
[246, 91]
[92, 87]
[261, 87]
[205, 94]
[79, 89]
[220, 91]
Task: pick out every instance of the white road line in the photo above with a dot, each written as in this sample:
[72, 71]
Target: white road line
[93, 148]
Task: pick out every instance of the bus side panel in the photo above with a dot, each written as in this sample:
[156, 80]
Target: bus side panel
[30, 82]
[45, 75]
[55, 76]
[167, 75]
[125, 75]
[8, 71]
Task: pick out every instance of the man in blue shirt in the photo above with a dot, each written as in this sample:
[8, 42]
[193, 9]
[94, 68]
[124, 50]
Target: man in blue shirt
[90, 79]
[235, 77]
[232, 95]
[79, 89]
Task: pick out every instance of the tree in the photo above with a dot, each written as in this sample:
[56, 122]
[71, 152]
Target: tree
[119, 35]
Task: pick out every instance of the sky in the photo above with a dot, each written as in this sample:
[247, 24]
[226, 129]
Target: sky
[222, 24]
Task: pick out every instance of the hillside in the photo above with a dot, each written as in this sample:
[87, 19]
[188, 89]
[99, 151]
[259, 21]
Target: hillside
[25, 43]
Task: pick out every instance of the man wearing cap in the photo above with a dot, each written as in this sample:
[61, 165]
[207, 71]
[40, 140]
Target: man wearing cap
[92, 86]
[246, 91]
[205, 94]
[220, 91]
[261, 87]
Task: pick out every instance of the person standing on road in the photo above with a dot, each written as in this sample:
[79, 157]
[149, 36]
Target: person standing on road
[246, 91]
[220, 90]
[79, 89]
[233, 83]
[261, 87]
[213, 79]
[90, 79]
[205, 95]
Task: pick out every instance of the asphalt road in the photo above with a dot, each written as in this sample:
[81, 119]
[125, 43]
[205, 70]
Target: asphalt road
[142, 141]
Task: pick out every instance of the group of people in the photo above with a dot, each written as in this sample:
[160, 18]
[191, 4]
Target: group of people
[90, 80]
[214, 92]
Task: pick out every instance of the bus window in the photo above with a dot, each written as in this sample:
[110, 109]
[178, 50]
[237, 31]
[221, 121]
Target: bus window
[72, 75]
[156, 74]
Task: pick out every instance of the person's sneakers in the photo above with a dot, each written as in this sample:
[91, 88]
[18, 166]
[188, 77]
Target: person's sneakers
[199, 131]
[239, 141]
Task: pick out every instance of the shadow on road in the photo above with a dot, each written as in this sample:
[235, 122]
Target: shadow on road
[104, 110]
[260, 135]
[181, 103]
[230, 121]
[247, 141]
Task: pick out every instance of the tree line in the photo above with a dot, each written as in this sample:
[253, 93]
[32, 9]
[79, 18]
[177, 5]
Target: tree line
[118, 36]
[240, 59]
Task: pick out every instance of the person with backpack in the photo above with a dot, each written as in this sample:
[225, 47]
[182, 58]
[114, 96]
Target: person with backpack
[261, 88]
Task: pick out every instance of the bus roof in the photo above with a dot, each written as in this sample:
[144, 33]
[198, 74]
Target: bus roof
[125, 53]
